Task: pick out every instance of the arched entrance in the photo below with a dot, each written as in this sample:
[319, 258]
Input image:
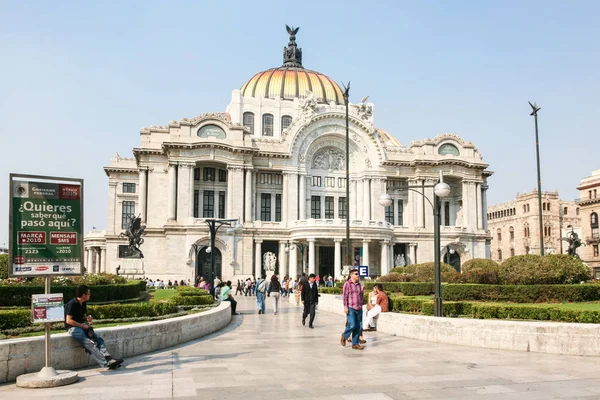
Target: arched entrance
[452, 257]
[203, 263]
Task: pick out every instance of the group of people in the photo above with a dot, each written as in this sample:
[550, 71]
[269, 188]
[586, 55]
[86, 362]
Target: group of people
[160, 284]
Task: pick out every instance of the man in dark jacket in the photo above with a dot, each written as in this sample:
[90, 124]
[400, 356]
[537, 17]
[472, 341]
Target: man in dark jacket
[310, 298]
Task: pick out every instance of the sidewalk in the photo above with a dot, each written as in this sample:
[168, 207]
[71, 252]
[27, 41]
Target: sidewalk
[275, 357]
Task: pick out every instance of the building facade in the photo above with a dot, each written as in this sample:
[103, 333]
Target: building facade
[515, 228]
[589, 204]
[276, 160]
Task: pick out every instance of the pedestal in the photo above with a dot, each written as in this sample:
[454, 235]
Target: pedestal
[43, 379]
[132, 268]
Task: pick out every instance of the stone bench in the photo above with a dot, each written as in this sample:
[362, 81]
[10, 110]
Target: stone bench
[21, 356]
[536, 336]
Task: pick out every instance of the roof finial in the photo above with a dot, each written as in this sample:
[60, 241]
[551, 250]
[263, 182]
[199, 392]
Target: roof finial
[292, 54]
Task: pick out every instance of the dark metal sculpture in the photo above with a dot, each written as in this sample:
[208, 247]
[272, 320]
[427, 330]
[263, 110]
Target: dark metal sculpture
[292, 54]
[134, 233]
[574, 243]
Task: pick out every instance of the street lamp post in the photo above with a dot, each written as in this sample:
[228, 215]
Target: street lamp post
[213, 226]
[535, 109]
[441, 189]
[348, 259]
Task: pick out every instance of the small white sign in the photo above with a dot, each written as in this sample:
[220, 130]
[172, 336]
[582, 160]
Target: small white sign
[363, 271]
[47, 308]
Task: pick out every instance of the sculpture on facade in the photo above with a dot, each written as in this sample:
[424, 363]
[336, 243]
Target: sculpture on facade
[309, 103]
[400, 261]
[292, 54]
[330, 159]
[269, 261]
[574, 243]
[363, 110]
[134, 233]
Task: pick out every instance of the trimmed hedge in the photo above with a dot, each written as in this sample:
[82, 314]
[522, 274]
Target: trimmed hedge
[116, 311]
[192, 300]
[3, 266]
[406, 288]
[21, 295]
[532, 269]
[10, 319]
[191, 291]
[522, 293]
[330, 290]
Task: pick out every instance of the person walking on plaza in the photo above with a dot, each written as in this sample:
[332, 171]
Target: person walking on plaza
[226, 296]
[275, 290]
[240, 287]
[261, 290]
[352, 298]
[78, 325]
[310, 299]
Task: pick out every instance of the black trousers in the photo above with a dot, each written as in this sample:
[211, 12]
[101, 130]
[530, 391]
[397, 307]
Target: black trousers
[309, 308]
[233, 304]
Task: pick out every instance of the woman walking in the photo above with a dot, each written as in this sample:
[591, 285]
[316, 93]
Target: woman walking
[275, 290]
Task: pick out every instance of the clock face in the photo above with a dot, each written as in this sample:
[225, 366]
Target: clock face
[448, 148]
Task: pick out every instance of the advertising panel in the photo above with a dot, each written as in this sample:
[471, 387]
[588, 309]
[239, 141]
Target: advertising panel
[47, 308]
[46, 226]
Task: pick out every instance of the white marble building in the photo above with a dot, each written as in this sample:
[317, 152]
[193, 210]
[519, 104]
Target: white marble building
[276, 160]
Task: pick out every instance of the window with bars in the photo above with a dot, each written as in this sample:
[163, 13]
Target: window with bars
[222, 175]
[342, 209]
[286, 121]
[270, 179]
[316, 181]
[330, 182]
[128, 187]
[127, 212]
[400, 212]
[196, 202]
[595, 250]
[389, 214]
[499, 255]
[511, 231]
[329, 207]
[446, 213]
[499, 232]
[221, 204]
[594, 225]
[512, 252]
[265, 206]
[341, 182]
[267, 125]
[196, 174]
[209, 174]
[315, 207]
[249, 121]
[208, 204]
[278, 207]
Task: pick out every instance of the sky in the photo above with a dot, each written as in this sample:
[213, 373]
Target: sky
[79, 79]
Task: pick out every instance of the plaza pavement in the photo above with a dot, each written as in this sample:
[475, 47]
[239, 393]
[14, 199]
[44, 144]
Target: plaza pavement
[275, 357]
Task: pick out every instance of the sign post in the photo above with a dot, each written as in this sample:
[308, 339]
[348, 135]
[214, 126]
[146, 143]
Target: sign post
[45, 240]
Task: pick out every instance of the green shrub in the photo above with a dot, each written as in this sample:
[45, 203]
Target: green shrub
[570, 269]
[193, 292]
[21, 295]
[396, 277]
[192, 300]
[449, 308]
[406, 288]
[10, 319]
[3, 266]
[522, 293]
[397, 270]
[533, 269]
[118, 311]
[330, 290]
[424, 272]
[480, 270]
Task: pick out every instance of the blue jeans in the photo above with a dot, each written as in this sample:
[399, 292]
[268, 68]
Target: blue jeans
[96, 347]
[354, 319]
[260, 301]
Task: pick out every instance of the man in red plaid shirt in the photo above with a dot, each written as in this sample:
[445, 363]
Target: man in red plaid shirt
[353, 302]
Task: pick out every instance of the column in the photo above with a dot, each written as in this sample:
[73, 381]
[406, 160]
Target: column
[237, 197]
[190, 211]
[90, 260]
[317, 260]
[248, 196]
[282, 260]
[302, 196]
[465, 205]
[293, 261]
[352, 203]
[337, 259]
[258, 258]
[366, 201]
[488, 250]
[284, 198]
[229, 194]
[428, 210]
[411, 206]
[103, 259]
[385, 266]
[97, 263]
[143, 179]
[172, 192]
[419, 222]
[479, 206]
[273, 203]
[412, 250]
[113, 208]
[311, 256]
[366, 252]
[292, 198]
[359, 199]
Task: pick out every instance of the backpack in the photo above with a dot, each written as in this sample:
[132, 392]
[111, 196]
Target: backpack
[390, 303]
[262, 286]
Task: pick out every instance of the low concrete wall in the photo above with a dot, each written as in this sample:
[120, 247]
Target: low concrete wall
[541, 337]
[21, 356]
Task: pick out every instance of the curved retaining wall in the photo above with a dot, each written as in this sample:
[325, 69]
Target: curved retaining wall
[21, 356]
[541, 337]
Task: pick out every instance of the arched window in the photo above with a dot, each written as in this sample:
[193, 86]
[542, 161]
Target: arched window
[594, 225]
[249, 121]
[524, 208]
[526, 230]
[577, 211]
[499, 255]
[511, 230]
[499, 231]
[512, 252]
[565, 210]
[286, 121]
[267, 125]
[527, 250]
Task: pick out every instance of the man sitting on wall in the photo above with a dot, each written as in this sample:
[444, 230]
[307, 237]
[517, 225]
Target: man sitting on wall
[78, 325]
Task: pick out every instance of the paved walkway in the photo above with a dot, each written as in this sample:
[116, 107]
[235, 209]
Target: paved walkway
[274, 357]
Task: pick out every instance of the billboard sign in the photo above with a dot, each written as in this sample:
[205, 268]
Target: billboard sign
[45, 226]
[47, 308]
